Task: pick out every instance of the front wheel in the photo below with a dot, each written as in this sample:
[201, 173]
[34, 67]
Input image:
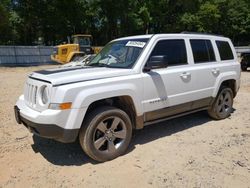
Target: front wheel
[106, 133]
[222, 105]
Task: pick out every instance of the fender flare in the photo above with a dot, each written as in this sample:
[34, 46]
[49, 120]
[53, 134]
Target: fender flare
[221, 78]
[87, 96]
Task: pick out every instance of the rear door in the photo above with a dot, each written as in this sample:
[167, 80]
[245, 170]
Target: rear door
[205, 70]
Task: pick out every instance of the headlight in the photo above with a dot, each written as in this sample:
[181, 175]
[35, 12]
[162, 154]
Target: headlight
[44, 94]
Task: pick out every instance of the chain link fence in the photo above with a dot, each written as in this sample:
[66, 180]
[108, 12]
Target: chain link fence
[25, 55]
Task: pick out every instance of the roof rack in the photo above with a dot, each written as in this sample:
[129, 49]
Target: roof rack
[200, 33]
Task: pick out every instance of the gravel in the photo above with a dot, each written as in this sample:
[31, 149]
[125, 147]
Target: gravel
[191, 151]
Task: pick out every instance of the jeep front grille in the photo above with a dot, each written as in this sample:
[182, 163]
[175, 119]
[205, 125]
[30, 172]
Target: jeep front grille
[30, 94]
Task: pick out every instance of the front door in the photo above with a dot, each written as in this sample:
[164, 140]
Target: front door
[171, 86]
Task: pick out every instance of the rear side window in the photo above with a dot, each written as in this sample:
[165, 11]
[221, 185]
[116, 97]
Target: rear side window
[202, 50]
[224, 50]
[175, 50]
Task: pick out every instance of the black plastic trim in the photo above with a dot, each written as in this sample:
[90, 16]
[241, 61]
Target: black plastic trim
[59, 70]
[174, 116]
[49, 130]
[178, 110]
[39, 79]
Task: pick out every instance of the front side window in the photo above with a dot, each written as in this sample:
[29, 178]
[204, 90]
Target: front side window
[174, 50]
[119, 54]
[202, 50]
[224, 50]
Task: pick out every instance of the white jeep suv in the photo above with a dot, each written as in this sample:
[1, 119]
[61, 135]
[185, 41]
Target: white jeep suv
[133, 82]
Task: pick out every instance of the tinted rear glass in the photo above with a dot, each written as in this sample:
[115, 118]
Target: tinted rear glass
[202, 50]
[224, 50]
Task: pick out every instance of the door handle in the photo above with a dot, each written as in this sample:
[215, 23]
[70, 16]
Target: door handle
[216, 71]
[185, 75]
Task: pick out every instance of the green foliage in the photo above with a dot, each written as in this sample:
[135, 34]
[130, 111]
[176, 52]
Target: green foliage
[5, 29]
[27, 21]
[209, 16]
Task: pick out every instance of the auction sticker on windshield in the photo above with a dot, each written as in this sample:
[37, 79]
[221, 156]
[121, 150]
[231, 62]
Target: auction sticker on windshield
[136, 44]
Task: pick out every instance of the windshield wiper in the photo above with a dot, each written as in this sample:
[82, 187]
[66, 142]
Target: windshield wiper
[99, 65]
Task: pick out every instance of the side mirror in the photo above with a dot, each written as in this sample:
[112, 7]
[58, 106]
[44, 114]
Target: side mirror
[156, 62]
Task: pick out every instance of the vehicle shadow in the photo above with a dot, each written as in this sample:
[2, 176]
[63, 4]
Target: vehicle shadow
[169, 127]
[62, 154]
[71, 154]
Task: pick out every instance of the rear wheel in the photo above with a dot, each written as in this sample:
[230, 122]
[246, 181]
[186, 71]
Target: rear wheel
[106, 133]
[222, 105]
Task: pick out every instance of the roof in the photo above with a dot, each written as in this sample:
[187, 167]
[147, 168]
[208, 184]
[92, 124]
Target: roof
[185, 34]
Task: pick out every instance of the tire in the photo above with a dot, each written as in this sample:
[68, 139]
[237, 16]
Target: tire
[244, 66]
[222, 105]
[106, 133]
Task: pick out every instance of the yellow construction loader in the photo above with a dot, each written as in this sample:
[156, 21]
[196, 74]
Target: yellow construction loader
[80, 46]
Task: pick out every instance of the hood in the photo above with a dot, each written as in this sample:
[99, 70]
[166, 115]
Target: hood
[67, 75]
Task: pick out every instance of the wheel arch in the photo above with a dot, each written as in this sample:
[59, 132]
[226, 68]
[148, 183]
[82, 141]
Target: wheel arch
[125, 103]
[228, 80]
[230, 83]
[127, 94]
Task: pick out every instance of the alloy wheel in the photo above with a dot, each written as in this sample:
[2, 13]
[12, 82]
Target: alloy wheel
[224, 103]
[110, 134]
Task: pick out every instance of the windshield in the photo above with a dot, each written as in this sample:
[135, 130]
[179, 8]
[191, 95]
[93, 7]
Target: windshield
[119, 54]
[81, 40]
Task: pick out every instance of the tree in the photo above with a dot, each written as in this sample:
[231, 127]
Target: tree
[5, 29]
[25, 21]
[208, 16]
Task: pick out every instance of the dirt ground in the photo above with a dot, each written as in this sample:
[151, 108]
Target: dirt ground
[191, 151]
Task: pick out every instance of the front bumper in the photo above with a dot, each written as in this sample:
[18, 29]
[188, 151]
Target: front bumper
[61, 125]
[47, 130]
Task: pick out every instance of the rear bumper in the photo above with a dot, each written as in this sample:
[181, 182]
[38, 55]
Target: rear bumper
[47, 130]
